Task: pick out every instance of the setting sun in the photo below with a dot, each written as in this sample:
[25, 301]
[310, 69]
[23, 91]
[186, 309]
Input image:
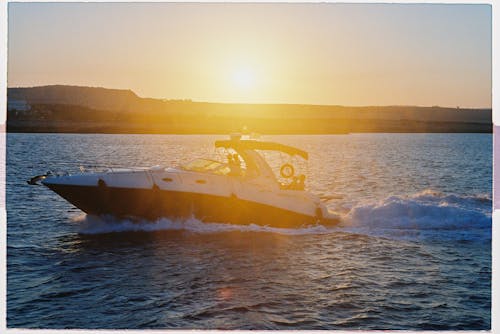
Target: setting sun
[244, 78]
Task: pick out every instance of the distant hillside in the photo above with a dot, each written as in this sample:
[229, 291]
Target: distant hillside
[87, 109]
[89, 97]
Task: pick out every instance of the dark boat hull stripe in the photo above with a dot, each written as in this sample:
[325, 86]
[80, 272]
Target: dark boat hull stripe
[151, 204]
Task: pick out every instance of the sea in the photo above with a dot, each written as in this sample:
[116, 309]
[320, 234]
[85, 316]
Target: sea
[412, 251]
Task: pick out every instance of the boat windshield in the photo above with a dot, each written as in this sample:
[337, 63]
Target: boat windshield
[207, 166]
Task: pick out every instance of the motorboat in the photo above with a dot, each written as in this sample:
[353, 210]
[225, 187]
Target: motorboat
[242, 189]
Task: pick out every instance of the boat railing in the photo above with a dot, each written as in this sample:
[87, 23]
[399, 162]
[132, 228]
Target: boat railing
[111, 168]
[95, 168]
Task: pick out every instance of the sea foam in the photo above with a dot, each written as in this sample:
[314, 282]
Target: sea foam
[427, 214]
[99, 225]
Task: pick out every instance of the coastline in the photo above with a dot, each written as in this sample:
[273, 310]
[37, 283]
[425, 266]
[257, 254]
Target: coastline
[74, 109]
[328, 127]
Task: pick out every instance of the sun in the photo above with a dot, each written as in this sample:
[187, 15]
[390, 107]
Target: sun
[244, 78]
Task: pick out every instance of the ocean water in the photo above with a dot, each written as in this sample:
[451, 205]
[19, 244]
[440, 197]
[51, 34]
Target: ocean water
[413, 250]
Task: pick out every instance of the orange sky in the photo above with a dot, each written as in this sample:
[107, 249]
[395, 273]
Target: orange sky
[345, 54]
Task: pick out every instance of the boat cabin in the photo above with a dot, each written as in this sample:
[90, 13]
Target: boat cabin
[257, 166]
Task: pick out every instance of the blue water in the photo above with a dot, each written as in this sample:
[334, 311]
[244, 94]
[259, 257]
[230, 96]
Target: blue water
[413, 250]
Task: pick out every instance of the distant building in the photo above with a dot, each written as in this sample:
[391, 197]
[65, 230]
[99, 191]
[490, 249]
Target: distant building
[19, 105]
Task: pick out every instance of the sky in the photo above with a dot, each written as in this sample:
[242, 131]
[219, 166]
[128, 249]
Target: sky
[334, 54]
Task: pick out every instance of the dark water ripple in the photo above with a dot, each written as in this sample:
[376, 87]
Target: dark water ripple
[243, 280]
[348, 278]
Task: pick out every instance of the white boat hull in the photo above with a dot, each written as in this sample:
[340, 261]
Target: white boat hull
[176, 194]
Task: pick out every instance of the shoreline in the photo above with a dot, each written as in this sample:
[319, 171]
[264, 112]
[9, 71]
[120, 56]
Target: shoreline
[327, 128]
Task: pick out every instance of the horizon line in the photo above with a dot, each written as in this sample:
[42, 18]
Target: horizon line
[256, 103]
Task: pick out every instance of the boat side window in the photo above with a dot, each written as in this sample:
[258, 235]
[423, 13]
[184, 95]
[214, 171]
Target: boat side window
[222, 170]
[207, 166]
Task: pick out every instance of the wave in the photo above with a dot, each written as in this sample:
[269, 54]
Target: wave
[100, 225]
[427, 214]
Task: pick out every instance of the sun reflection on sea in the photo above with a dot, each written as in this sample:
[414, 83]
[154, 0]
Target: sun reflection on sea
[225, 293]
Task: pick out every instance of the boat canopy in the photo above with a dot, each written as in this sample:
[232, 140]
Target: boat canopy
[238, 144]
